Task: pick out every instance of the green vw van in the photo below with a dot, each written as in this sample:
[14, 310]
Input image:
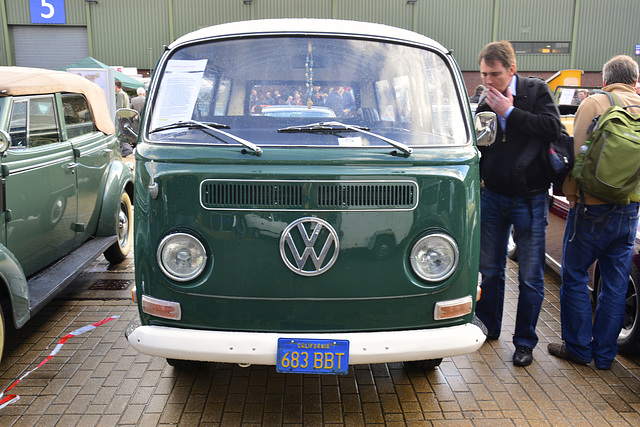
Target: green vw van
[307, 196]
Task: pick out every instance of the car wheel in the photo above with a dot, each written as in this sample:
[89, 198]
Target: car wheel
[629, 338]
[427, 365]
[119, 250]
[184, 364]
[512, 249]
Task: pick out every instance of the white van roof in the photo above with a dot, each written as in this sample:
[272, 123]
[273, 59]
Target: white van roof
[307, 26]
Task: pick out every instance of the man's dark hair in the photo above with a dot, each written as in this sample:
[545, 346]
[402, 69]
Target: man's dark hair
[118, 84]
[620, 69]
[501, 51]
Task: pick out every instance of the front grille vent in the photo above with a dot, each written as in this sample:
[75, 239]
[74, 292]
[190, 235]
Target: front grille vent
[308, 195]
[370, 196]
[251, 195]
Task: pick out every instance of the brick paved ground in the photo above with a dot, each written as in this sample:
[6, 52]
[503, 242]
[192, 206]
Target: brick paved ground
[97, 379]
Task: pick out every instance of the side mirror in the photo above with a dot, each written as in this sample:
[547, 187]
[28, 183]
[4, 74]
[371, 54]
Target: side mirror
[485, 124]
[5, 141]
[127, 126]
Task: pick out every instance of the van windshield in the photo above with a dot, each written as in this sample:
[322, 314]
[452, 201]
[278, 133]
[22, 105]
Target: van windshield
[256, 86]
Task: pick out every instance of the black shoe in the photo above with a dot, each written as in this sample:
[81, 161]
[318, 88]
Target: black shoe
[523, 356]
[559, 350]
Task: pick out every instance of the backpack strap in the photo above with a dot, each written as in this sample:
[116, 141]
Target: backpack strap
[613, 99]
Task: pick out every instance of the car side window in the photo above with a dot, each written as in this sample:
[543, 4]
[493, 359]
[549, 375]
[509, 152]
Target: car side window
[18, 124]
[77, 115]
[33, 122]
[43, 127]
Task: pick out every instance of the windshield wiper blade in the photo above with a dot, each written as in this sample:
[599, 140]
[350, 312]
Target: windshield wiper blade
[329, 127]
[215, 127]
[189, 124]
[342, 127]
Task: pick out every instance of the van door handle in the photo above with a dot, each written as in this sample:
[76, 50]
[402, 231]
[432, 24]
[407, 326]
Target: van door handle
[72, 167]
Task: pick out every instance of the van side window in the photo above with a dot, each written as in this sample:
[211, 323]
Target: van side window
[77, 115]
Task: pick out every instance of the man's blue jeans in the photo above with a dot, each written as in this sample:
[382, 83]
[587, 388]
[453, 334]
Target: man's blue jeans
[605, 233]
[529, 219]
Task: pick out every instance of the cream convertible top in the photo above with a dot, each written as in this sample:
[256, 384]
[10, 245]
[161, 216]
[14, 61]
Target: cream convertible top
[29, 81]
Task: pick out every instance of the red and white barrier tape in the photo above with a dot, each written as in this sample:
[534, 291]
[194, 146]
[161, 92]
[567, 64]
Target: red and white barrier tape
[11, 398]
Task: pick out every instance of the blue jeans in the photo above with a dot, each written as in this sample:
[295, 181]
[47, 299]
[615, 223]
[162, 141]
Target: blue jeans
[529, 219]
[605, 233]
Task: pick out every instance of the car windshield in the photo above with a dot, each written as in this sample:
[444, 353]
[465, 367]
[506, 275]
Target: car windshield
[256, 86]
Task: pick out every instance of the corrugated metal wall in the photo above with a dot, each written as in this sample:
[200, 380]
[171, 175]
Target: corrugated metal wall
[18, 12]
[191, 15]
[391, 12]
[133, 32]
[130, 33]
[462, 26]
[606, 29]
[292, 9]
[539, 20]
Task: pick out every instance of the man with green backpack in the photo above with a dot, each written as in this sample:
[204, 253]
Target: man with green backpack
[602, 222]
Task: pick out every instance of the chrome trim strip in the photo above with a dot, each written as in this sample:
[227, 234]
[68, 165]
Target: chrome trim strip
[39, 165]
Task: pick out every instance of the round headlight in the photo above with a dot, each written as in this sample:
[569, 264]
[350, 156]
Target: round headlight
[181, 257]
[434, 257]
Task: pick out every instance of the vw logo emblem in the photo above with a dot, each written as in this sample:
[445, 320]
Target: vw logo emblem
[309, 246]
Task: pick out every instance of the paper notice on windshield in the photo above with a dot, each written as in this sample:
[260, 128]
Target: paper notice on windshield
[566, 96]
[178, 91]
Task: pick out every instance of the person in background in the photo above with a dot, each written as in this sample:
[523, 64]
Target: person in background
[596, 230]
[122, 99]
[476, 96]
[137, 103]
[514, 193]
[582, 94]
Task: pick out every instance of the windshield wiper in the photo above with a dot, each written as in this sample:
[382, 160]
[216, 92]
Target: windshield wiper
[215, 127]
[334, 127]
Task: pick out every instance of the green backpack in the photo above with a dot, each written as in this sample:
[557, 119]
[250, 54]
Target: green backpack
[609, 169]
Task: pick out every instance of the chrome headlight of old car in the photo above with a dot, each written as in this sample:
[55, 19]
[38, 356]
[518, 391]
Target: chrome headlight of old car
[434, 257]
[181, 257]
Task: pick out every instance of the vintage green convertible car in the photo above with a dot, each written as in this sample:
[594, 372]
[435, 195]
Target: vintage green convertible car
[316, 241]
[65, 194]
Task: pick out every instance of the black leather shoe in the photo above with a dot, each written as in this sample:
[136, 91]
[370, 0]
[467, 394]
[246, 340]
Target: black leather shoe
[559, 350]
[523, 356]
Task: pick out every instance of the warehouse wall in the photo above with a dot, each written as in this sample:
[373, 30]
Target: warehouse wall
[132, 33]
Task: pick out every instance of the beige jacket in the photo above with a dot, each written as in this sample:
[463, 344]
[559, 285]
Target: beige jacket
[591, 107]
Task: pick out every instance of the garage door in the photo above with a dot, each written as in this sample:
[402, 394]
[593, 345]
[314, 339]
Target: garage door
[48, 46]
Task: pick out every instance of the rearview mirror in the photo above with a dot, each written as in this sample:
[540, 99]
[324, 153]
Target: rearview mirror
[127, 126]
[485, 123]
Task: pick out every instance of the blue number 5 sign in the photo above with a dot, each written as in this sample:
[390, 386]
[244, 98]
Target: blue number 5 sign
[47, 11]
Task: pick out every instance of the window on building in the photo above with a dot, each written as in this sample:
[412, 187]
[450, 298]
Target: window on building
[544, 48]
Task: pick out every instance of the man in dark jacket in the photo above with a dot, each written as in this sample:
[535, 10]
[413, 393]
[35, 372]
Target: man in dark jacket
[516, 182]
